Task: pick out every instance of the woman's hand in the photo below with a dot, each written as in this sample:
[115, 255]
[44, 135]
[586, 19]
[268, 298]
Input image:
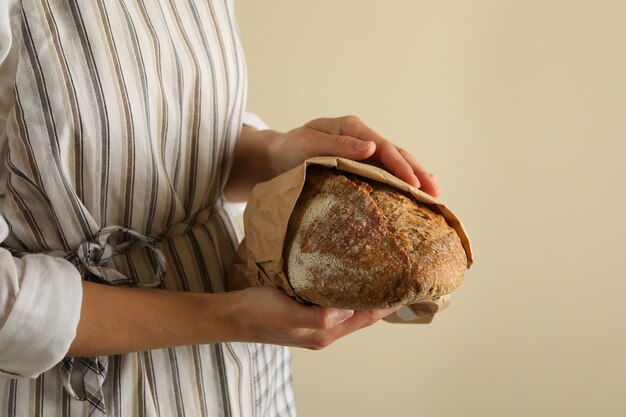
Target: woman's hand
[350, 138]
[262, 154]
[267, 315]
[117, 320]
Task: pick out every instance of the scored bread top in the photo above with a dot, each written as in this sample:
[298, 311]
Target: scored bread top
[361, 245]
[438, 260]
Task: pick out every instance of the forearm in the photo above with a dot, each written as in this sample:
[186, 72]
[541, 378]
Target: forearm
[119, 320]
[252, 162]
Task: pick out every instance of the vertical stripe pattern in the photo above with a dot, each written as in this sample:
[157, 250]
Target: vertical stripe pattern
[125, 118]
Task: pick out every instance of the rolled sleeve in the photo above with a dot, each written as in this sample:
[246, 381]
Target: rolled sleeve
[254, 121]
[41, 323]
[40, 296]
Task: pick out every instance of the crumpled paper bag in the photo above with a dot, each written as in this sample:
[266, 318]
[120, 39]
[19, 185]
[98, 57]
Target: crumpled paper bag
[259, 259]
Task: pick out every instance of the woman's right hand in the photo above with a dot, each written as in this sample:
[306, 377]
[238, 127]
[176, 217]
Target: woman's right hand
[268, 315]
[118, 320]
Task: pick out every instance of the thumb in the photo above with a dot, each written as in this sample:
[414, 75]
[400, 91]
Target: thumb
[343, 146]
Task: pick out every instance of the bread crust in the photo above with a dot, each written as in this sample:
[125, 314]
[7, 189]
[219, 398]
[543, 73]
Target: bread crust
[358, 244]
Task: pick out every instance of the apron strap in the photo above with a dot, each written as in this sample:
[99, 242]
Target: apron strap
[95, 256]
[83, 378]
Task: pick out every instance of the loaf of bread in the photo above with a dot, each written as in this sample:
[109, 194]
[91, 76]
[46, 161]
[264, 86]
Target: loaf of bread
[358, 244]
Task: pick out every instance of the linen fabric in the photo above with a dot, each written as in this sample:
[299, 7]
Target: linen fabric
[119, 134]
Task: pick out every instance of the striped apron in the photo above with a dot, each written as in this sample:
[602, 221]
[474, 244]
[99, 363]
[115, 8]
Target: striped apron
[120, 139]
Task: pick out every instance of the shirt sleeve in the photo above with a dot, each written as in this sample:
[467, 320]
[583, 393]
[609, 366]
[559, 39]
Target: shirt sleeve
[40, 296]
[9, 13]
[40, 300]
[254, 121]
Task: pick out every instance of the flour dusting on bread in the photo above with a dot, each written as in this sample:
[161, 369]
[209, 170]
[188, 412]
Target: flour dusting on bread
[358, 244]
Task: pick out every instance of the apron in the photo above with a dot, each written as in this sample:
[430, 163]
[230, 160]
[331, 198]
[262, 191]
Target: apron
[120, 139]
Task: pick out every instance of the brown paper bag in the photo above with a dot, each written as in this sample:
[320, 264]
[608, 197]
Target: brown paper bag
[259, 259]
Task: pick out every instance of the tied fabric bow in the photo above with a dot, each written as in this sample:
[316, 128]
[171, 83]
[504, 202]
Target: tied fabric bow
[96, 256]
[83, 378]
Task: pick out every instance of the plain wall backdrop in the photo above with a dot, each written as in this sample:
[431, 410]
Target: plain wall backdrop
[519, 107]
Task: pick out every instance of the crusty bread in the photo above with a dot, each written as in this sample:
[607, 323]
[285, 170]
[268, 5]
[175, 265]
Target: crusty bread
[358, 244]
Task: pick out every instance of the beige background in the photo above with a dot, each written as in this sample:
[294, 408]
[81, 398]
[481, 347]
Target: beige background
[520, 109]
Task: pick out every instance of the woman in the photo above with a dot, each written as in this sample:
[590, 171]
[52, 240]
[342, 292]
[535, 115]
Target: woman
[121, 129]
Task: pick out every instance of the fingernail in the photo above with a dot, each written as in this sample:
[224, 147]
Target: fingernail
[344, 315]
[362, 145]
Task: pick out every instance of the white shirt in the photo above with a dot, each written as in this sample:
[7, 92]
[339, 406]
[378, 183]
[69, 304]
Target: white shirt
[38, 317]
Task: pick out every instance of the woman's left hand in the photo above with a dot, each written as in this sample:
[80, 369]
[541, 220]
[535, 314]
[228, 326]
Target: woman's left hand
[350, 138]
[263, 154]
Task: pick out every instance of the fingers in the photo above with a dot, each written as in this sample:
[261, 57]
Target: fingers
[427, 181]
[353, 126]
[268, 315]
[397, 164]
[324, 336]
[344, 146]
[296, 315]
[323, 318]
[365, 318]
[392, 158]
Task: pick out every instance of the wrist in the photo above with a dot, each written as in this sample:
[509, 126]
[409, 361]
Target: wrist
[253, 162]
[265, 154]
[235, 322]
[218, 316]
